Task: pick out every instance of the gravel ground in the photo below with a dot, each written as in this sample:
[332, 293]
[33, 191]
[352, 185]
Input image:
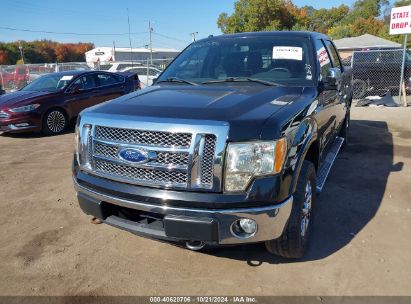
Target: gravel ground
[360, 247]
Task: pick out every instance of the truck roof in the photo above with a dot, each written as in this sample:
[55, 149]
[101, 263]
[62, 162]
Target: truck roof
[297, 34]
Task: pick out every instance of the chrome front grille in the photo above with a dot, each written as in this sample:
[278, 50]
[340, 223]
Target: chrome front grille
[134, 174]
[207, 161]
[168, 158]
[188, 158]
[144, 137]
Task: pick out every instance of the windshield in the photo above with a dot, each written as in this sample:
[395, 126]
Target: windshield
[275, 59]
[49, 83]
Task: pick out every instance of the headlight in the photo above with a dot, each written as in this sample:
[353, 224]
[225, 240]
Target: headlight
[82, 145]
[27, 108]
[247, 160]
[77, 144]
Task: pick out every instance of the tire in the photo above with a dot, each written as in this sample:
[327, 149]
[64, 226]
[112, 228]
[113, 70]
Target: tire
[294, 240]
[345, 128]
[359, 88]
[10, 84]
[54, 122]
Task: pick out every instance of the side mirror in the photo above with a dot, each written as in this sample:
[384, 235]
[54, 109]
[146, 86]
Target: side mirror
[333, 79]
[74, 89]
[155, 79]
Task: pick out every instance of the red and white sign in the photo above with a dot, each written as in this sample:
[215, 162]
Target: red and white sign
[400, 20]
[322, 56]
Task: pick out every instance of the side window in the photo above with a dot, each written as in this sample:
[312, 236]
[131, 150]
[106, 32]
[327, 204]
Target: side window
[85, 82]
[333, 53]
[323, 58]
[107, 79]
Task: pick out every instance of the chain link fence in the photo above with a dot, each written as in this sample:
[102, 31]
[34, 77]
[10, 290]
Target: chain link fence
[377, 72]
[14, 77]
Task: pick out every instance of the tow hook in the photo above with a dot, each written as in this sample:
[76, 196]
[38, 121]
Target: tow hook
[195, 245]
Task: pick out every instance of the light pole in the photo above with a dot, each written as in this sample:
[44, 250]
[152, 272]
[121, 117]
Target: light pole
[193, 35]
[150, 31]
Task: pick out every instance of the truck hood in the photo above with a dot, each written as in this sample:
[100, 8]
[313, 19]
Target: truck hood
[20, 98]
[244, 107]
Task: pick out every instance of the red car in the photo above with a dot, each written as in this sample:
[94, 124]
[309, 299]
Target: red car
[15, 77]
[6, 78]
[50, 102]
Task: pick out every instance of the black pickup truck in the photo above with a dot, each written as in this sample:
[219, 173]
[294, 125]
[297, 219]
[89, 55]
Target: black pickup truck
[230, 145]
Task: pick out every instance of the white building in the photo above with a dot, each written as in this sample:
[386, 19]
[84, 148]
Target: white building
[107, 54]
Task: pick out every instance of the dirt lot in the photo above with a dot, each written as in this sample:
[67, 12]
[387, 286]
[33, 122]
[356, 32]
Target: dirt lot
[361, 242]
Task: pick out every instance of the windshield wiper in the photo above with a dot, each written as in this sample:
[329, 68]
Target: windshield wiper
[175, 79]
[243, 79]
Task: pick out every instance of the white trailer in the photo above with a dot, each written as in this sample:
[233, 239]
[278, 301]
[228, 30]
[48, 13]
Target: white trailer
[103, 55]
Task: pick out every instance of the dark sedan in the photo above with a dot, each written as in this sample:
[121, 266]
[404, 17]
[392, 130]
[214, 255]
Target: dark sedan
[50, 102]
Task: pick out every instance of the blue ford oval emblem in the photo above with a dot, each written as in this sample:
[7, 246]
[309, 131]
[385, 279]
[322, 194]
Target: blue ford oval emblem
[133, 155]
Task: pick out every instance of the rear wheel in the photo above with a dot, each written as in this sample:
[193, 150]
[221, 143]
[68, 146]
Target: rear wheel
[359, 88]
[294, 240]
[54, 122]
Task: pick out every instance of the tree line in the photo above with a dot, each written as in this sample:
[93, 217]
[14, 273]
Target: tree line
[42, 51]
[364, 16]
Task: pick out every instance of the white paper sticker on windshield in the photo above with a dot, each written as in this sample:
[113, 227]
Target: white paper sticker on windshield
[288, 52]
[67, 77]
[322, 56]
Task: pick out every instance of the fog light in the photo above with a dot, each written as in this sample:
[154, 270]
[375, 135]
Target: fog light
[249, 226]
[244, 228]
[24, 124]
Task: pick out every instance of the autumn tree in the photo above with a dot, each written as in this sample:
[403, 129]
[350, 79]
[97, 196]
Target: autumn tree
[3, 57]
[44, 51]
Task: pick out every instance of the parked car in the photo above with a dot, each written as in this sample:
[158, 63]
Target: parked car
[15, 76]
[378, 71]
[146, 75]
[51, 101]
[229, 146]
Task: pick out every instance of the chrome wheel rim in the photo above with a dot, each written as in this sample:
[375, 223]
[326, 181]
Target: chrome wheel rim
[306, 212]
[56, 121]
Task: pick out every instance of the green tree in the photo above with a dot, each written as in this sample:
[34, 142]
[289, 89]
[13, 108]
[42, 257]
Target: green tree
[258, 15]
[323, 19]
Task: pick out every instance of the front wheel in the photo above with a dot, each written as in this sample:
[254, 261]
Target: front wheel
[294, 240]
[54, 122]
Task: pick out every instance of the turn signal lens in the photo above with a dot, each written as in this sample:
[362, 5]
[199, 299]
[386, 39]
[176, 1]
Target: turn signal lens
[280, 152]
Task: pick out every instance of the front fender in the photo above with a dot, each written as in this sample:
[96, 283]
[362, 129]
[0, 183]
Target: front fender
[300, 143]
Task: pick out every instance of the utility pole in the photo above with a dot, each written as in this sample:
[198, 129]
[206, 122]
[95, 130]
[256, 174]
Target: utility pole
[113, 58]
[193, 36]
[21, 52]
[129, 38]
[150, 31]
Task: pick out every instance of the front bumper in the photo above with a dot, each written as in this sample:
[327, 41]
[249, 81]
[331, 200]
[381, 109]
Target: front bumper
[21, 123]
[210, 226]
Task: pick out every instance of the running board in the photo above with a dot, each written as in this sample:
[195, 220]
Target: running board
[328, 162]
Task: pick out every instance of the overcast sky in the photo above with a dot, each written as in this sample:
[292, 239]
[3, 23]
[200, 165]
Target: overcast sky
[172, 21]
